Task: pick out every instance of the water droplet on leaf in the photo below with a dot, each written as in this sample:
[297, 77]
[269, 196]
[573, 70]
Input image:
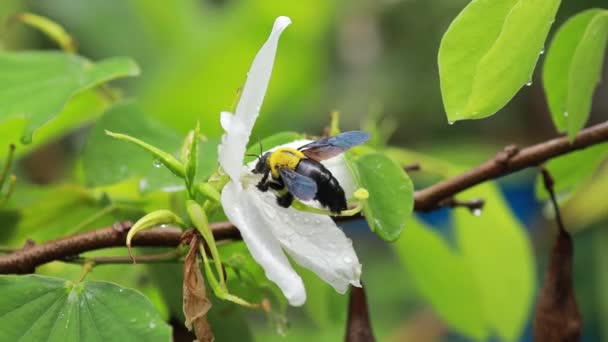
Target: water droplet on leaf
[157, 163]
[450, 122]
[565, 113]
[542, 51]
[26, 138]
[476, 212]
[529, 83]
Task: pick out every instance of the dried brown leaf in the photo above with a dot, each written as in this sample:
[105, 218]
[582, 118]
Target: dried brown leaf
[358, 327]
[557, 316]
[195, 304]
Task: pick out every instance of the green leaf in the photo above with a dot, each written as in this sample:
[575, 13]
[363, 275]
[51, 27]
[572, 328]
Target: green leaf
[573, 69]
[489, 52]
[35, 308]
[498, 252]
[443, 278]
[37, 85]
[391, 194]
[109, 161]
[572, 170]
[80, 110]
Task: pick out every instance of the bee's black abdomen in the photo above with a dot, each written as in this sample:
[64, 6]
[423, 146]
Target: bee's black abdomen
[329, 192]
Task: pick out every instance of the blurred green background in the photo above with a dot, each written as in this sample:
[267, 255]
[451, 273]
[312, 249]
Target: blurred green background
[369, 60]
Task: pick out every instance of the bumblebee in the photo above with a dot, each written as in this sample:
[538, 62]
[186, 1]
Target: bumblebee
[298, 172]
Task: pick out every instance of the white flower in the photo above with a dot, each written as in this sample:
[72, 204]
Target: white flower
[311, 240]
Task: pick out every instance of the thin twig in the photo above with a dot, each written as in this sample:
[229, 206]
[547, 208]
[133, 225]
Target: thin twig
[506, 162]
[475, 205]
[549, 182]
[412, 167]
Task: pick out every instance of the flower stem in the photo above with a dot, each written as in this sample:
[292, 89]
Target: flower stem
[200, 221]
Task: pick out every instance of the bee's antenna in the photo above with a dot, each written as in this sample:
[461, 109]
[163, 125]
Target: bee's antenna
[260, 143]
[252, 155]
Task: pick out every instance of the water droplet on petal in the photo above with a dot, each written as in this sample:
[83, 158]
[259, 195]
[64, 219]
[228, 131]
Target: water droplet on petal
[477, 211]
[347, 260]
[295, 217]
[317, 221]
[306, 220]
[157, 163]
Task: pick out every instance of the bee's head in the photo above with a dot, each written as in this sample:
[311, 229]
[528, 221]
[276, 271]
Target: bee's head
[261, 167]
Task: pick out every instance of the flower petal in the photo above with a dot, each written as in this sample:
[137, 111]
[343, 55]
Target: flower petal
[339, 168]
[238, 126]
[313, 241]
[253, 221]
[318, 244]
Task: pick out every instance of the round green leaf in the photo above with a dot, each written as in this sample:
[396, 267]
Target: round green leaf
[573, 69]
[498, 252]
[37, 85]
[37, 308]
[443, 278]
[489, 52]
[391, 194]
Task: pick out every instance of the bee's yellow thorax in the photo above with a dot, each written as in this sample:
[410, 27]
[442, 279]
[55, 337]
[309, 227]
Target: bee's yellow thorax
[284, 157]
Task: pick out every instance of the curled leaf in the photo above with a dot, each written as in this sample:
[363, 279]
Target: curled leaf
[163, 157]
[189, 154]
[209, 191]
[196, 305]
[50, 28]
[153, 219]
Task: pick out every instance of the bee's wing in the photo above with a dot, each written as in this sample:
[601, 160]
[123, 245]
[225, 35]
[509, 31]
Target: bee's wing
[300, 186]
[332, 146]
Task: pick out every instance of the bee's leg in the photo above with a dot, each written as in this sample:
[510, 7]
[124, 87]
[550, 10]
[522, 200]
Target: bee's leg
[263, 184]
[276, 186]
[285, 200]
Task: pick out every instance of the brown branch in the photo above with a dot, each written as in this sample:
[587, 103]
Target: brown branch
[27, 259]
[505, 162]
